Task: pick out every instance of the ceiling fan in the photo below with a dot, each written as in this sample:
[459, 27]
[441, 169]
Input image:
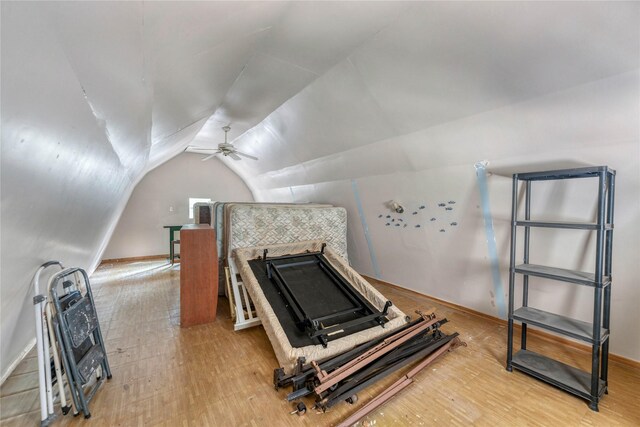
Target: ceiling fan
[226, 149]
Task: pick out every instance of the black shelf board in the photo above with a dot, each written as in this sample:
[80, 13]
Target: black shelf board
[562, 274]
[586, 172]
[554, 322]
[562, 224]
[566, 377]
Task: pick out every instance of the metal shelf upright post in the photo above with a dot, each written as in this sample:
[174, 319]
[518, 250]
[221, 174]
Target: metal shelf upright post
[588, 385]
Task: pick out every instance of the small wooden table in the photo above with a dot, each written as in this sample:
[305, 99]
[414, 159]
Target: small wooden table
[198, 275]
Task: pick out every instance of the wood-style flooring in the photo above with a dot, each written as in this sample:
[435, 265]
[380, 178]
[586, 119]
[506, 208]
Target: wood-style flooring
[212, 376]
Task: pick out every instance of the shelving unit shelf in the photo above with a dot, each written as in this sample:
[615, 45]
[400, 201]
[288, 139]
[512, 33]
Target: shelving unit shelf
[588, 385]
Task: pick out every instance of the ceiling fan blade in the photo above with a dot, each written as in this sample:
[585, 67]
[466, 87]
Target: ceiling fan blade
[210, 156]
[201, 148]
[246, 155]
[234, 156]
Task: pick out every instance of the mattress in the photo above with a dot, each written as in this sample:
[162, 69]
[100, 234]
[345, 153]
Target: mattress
[254, 224]
[216, 223]
[287, 354]
[221, 220]
[259, 225]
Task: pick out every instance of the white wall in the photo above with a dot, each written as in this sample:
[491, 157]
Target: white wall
[592, 124]
[412, 128]
[66, 174]
[139, 231]
[402, 97]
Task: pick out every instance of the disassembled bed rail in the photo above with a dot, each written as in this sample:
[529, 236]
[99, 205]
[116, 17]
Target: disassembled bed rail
[328, 380]
[243, 311]
[340, 378]
[400, 384]
[314, 326]
[304, 372]
[383, 368]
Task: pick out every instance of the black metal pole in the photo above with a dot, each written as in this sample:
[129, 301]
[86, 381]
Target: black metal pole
[287, 294]
[512, 270]
[604, 374]
[333, 362]
[525, 278]
[355, 388]
[597, 305]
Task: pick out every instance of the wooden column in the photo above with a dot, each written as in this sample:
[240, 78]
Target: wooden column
[198, 275]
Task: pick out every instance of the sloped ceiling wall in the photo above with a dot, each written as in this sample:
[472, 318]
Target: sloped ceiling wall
[95, 94]
[408, 114]
[347, 102]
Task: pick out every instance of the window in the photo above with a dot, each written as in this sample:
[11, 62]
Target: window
[193, 201]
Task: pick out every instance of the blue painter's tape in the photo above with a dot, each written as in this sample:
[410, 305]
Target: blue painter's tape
[481, 175]
[365, 228]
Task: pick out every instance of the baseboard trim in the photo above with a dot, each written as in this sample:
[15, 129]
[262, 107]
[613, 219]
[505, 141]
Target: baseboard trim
[535, 332]
[137, 258]
[17, 361]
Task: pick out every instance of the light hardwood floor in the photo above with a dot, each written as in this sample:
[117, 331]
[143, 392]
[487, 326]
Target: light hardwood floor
[212, 376]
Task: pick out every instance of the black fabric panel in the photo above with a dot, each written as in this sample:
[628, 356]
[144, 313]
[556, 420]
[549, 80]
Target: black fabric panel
[316, 293]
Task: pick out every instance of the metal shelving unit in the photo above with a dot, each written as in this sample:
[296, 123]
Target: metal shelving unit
[588, 385]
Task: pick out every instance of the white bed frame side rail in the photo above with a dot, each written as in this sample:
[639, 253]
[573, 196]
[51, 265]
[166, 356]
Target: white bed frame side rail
[242, 300]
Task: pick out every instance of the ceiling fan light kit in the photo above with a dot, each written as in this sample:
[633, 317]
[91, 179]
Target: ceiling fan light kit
[226, 149]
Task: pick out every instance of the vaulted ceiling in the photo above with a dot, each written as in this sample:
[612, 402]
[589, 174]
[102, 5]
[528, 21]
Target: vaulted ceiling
[163, 75]
[95, 94]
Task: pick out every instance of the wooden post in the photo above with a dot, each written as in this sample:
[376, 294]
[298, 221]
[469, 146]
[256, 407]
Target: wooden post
[198, 275]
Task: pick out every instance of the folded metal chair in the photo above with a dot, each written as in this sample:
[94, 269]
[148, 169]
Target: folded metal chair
[79, 335]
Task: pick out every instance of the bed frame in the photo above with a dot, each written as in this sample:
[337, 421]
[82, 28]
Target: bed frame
[250, 266]
[226, 286]
[251, 224]
[315, 264]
